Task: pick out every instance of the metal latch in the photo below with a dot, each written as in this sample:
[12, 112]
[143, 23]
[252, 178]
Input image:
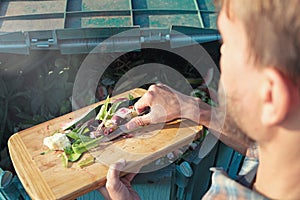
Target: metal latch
[42, 43]
[183, 174]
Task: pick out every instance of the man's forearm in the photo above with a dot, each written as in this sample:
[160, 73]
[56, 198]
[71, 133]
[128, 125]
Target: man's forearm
[200, 112]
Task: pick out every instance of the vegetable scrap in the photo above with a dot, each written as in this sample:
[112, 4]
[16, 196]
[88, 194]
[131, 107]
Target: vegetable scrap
[79, 138]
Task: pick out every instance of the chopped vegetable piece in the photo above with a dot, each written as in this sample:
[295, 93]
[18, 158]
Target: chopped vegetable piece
[74, 157]
[86, 132]
[130, 97]
[58, 141]
[65, 160]
[81, 147]
[114, 108]
[86, 162]
[103, 110]
[73, 135]
[82, 129]
[68, 150]
[124, 113]
[71, 155]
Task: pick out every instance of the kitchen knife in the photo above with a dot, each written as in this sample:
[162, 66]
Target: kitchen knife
[123, 129]
[116, 133]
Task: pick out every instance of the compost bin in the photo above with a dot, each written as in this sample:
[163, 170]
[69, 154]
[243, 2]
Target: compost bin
[44, 43]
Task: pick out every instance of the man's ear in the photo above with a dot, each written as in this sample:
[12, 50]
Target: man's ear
[276, 95]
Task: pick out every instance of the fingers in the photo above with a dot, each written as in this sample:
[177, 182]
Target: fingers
[138, 122]
[113, 174]
[160, 99]
[144, 102]
[119, 189]
[148, 99]
[113, 182]
[130, 177]
[115, 188]
[104, 192]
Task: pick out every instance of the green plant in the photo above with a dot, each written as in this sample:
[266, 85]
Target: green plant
[49, 91]
[49, 96]
[11, 103]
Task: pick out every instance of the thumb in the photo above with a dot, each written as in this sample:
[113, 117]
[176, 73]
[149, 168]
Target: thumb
[113, 175]
[116, 188]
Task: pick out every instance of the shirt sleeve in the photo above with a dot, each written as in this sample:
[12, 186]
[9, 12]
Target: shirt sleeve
[252, 152]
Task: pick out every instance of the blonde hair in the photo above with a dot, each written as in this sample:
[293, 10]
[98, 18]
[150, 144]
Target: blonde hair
[273, 30]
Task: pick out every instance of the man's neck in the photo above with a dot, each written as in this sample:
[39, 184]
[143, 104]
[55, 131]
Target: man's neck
[278, 175]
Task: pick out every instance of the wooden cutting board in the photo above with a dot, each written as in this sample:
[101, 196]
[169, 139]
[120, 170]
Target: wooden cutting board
[45, 178]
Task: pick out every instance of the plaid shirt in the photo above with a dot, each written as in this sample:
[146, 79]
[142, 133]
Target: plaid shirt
[223, 187]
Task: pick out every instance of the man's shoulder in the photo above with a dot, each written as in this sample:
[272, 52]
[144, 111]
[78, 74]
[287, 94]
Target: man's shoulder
[223, 187]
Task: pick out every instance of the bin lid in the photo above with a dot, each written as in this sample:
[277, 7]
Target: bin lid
[44, 21]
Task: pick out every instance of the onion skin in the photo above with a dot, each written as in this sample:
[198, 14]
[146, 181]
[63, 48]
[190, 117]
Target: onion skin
[117, 120]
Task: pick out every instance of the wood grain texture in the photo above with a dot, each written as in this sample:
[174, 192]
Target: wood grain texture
[44, 177]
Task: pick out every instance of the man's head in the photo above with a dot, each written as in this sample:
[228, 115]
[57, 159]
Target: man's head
[273, 30]
[260, 64]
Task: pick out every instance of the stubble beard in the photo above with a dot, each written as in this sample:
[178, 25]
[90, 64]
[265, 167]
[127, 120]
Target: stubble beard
[231, 115]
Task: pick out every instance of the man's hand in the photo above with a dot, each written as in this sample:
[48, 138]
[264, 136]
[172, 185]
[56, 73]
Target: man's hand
[166, 104]
[117, 188]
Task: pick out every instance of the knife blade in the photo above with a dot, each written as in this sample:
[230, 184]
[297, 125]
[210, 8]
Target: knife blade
[93, 111]
[116, 133]
[80, 118]
[122, 128]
